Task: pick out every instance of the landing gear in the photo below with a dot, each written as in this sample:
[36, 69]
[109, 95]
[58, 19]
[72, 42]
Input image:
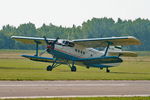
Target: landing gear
[107, 70]
[55, 64]
[73, 68]
[49, 68]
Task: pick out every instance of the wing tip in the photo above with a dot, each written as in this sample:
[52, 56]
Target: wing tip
[12, 37]
[133, 40]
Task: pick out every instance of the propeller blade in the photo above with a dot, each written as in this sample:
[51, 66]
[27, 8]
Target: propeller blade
[46, 40]
[50, 45]
[56, 40]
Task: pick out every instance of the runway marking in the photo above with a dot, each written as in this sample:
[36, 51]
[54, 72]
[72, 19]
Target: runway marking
[73, 96]
[59, 85]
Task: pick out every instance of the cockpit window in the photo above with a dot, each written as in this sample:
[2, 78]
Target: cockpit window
[65, 43]
[68, 43]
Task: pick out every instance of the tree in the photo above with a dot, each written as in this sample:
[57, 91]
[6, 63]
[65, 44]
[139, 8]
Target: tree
[94, 28]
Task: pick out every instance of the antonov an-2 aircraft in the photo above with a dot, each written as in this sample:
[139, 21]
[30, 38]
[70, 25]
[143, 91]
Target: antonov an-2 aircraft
[81, 51]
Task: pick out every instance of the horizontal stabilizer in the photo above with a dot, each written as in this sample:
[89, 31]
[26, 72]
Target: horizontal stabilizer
[123, 53]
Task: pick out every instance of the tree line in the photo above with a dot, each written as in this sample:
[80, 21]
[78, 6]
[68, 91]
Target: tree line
[94, 28]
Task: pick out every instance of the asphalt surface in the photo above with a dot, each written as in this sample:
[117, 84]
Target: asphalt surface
[35, 89]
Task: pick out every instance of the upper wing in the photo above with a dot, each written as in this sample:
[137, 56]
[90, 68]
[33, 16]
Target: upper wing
[94, 42]
[31, 40]
[102, 42]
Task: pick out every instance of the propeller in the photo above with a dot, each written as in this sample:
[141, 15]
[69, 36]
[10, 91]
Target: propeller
[54, 42]
[50, 44]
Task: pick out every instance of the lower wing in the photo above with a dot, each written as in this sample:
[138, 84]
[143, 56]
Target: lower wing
[101, 60]
[42, 59]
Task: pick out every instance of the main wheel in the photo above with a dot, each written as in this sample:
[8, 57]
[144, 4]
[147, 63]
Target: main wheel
[73, 68]
[49, 68]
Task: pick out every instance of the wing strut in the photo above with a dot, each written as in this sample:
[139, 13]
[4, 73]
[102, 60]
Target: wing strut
[108, 44]
[37, 47]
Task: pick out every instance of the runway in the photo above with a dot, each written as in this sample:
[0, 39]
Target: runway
[48, 89]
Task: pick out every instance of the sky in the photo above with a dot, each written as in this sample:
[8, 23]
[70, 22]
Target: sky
[69, 12]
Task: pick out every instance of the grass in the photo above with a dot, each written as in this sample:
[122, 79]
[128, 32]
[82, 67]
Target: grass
[21, 69]
[92, 98]
[14, 67]
[16, 51]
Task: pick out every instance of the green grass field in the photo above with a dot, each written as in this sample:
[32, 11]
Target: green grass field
[92, 98]
[14, 67]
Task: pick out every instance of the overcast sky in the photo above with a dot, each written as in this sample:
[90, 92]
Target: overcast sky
[69, 12]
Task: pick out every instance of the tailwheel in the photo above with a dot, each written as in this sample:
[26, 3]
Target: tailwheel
[49, 68]
[101, 68]
[73, 68]
[87, 67]
[107, 70]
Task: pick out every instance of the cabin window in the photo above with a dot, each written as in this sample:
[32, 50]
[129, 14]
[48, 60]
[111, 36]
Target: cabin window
[79, 51]
[83, 52]
[76, 50]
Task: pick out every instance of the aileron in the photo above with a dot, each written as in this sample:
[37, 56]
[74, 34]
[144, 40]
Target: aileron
[31, 40]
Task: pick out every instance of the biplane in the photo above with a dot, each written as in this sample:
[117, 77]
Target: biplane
[81, 51]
